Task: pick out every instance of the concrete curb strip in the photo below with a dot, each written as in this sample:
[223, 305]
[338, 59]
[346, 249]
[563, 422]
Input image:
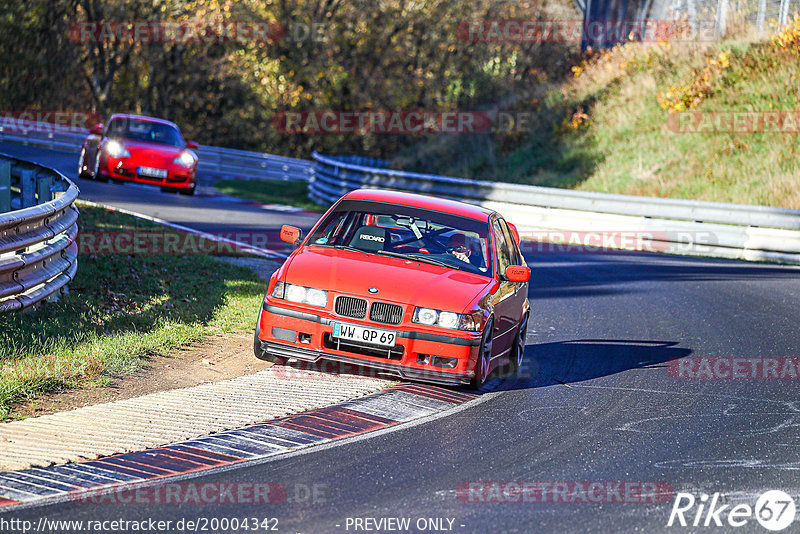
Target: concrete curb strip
[169, 416]
[81, 481]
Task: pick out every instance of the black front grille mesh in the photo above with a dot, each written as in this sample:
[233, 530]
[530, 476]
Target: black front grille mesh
[351, 307]
[381, 312]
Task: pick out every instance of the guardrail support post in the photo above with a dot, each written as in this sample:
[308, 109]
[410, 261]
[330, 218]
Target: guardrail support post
[5, 186]
[44, 192]
[27, 188]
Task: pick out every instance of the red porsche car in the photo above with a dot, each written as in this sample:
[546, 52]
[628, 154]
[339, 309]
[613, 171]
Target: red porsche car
[418, 287]
[140, 149]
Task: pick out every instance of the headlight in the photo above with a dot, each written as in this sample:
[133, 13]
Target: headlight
[115, 149]
[445, 319]
[301, 294]
[186, 159]
[317, 297]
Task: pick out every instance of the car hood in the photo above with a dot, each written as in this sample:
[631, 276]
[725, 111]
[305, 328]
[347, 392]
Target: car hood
[397, 280]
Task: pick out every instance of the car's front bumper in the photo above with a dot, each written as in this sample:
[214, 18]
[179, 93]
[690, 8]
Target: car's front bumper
[126, 170]
[293, 333]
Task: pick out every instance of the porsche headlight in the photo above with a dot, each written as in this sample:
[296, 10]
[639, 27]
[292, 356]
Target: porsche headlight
[115, 149]
[445, 319]
[301, 294]
[187, 159]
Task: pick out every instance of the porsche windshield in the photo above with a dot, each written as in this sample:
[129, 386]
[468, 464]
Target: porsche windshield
[139, 130]
[413, 233]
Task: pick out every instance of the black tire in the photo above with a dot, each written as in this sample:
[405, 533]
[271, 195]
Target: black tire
[518, 349]
[96, 174]
[483, 361]
[118, 182]
[81, 172]
[187, 192]
[261, 355]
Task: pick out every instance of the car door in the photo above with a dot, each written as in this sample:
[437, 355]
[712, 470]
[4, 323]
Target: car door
[505, 298]
[520, 288]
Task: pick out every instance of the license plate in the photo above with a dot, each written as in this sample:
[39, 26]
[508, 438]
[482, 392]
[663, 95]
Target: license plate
[150, 171]
[363, 334]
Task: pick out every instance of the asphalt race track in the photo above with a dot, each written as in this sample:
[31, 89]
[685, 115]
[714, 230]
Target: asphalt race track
[599, 399]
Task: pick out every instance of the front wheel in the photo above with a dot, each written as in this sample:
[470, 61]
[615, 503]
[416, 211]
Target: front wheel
[518, 350]
[81, 164]
[96, 175]
[482, 364]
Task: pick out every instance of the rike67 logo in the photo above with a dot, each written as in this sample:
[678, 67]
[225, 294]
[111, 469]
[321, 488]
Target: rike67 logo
[774, 510]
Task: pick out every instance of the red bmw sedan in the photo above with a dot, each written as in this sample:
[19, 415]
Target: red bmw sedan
[140, 149]
[418, 287]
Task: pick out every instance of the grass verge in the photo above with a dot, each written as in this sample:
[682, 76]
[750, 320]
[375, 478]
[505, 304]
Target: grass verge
[271, 192]
[121, 309]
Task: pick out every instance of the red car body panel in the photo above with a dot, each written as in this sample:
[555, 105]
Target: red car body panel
[142, 154]
[287, 329]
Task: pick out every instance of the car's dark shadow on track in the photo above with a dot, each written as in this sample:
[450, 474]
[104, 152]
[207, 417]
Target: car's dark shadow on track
[567, 362]
[545, 364]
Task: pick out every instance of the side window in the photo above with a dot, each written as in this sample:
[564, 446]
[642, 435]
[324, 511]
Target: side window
[504, 257]
[329, 232]
[512, 245]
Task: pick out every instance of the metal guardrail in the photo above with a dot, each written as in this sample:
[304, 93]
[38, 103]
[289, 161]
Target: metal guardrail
[667, 225]
[215, 163]
[38, 253]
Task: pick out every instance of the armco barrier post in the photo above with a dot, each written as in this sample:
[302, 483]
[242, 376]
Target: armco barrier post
[44, 186]
[27, 186]
[5, 186]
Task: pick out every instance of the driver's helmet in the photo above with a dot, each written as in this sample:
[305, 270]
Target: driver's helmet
[458, 243]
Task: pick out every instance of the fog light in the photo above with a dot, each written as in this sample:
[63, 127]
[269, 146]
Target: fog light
[284, 334]
[446, 363]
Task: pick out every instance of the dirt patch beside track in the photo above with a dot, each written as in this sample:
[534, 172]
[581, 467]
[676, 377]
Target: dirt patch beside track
[221, 356]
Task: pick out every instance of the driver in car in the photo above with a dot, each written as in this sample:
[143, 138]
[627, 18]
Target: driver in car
[457, 246]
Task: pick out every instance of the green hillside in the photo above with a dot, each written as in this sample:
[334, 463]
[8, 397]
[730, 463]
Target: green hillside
[688, 120]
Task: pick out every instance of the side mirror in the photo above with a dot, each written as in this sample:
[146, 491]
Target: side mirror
[518, 273]
[514, 232]
[192, 145]
[98, 129]
[290, 234]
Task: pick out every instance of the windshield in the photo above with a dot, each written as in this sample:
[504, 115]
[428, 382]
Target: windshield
[139, 130]
[412, 233]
